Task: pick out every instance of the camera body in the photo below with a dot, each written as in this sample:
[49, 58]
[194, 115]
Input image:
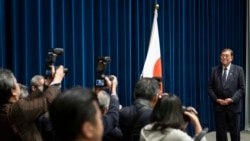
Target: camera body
[52, 55]
[186, 118]
[100, 71]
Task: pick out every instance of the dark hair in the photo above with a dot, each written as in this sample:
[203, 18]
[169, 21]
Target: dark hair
[70, 110]
[146, 88]
[228, 49]
[6, 84]
[168, 113]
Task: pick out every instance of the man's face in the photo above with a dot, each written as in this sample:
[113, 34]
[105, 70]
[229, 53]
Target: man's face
[226, 58]
[98, 125]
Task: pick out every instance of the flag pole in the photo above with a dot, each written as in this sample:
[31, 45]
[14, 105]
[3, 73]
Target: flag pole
[152, 66]
[157, 6]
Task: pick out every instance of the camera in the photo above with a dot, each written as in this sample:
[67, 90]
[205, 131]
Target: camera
[186, 117]
[100, 71]
[52, 55]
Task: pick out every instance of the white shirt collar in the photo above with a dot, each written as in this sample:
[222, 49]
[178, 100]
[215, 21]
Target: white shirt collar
[228, 67]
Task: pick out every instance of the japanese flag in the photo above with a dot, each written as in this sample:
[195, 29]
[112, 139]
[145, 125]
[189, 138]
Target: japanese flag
[152, 66]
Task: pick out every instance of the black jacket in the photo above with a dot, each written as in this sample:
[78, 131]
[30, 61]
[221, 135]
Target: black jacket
[111, 119]
[134, 118]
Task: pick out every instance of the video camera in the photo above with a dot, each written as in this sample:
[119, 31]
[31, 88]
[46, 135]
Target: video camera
[100, 70]
[53, 53]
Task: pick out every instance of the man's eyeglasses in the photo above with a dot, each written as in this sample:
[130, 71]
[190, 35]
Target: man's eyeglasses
[226, 56]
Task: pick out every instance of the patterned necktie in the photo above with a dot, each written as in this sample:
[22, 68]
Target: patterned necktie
[224, 75]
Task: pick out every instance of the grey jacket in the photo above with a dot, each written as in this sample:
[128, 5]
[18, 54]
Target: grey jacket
[147, 134]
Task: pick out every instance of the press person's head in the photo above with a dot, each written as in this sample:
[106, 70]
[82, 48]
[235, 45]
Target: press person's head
[37, 82]
[104, 100]
[75, 115]
[148, 89]
[9, 88]
[168, 113]
[23, 91]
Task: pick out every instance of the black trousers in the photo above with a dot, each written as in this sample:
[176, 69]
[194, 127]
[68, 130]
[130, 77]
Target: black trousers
[227, 120]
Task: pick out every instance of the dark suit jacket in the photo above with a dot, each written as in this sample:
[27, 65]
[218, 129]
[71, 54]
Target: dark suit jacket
[111, 119]
[133, 118]
[23, 113]
[233, 88]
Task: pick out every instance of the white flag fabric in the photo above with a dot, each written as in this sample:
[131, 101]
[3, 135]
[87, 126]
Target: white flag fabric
[152, 66]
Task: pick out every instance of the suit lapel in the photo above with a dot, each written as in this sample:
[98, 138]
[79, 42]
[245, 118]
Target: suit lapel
[220, 75]
[231, 73]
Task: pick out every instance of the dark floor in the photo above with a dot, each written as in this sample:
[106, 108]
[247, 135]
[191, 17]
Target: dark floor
[244, 135]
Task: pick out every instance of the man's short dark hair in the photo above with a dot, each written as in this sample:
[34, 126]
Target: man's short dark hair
[227, 49]
[70, 110]
[146, 88]
[6, 84]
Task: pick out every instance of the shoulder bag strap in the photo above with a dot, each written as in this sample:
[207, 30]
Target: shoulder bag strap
[201, 134]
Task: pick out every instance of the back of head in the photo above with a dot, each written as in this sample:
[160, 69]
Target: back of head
[146, 88]
[23, 91]
[37, 81]
[168, 112]
[70, 110]
[104, 100]
[6, 84]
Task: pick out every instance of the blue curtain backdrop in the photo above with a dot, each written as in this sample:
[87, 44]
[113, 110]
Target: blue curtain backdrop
[192, 34]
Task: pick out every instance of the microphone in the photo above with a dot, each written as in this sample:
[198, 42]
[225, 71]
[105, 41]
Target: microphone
[57, 51]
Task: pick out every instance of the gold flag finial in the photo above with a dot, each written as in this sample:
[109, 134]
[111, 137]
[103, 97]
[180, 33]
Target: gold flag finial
[157, 6]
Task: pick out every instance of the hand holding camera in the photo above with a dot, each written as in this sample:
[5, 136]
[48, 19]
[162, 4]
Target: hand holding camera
[57, 75]
[191, 110]
[100, 71]
[111, 83]
[52, 72]
[191, 115]
[52, 55]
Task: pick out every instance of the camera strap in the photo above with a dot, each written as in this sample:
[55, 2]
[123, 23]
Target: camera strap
[201, 134]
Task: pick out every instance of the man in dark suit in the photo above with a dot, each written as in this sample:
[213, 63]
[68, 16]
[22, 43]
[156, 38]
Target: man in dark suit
[133, 118]
[226, 88]
[109, 105]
